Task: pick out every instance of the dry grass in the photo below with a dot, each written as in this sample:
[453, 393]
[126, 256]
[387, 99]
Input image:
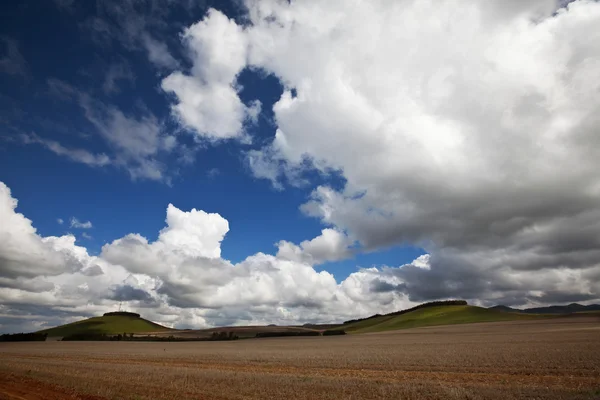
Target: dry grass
[550, 359]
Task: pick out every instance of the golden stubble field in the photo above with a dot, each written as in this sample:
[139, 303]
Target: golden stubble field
[550, 359]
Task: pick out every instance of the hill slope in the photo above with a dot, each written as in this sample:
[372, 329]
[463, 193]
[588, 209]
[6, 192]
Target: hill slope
[108, 324]
[568, 309]
[431, 316]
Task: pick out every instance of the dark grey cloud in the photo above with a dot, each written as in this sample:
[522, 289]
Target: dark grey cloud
[35, 285]
[23, 317]
[29, 310]
[14, 263]
[304, 303]
[490, 279]
[380, 286]
[129, 293]
[556, 297]
[447, 281]
[94, 270]
[480, 242]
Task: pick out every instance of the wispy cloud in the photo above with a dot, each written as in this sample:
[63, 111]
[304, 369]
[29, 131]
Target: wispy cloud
[213, 172]
[75, 223]
[117, 72]
[138, 142]
[158, 53]
[66, 5]
[74, 154]
[136, 25]
[12, 61]
[60, 221]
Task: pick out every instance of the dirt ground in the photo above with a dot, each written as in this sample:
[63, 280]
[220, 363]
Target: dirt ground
[549, 359]
[18, 387]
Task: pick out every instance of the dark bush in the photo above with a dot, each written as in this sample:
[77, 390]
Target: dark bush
[128, 337]
[87, 336]
[334, 332]
[223, 335]
[122, 314]
[23, 337]
[287, 334]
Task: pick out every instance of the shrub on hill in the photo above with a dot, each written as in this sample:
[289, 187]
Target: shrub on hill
[424, 305]
[431, 304]
[122, 314]
[362, 319]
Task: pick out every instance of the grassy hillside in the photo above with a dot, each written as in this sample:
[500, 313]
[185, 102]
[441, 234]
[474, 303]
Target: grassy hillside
[568, 309]
[108, 324]
[431, 316]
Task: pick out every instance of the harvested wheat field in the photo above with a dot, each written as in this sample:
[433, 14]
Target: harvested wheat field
[544, 359]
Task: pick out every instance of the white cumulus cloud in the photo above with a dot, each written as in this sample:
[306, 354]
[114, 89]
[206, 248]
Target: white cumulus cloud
[207, 99]
[25, 254]
[466, 128]
[330, 245]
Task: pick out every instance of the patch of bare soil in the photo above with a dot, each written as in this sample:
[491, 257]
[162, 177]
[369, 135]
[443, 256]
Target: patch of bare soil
[15, 387]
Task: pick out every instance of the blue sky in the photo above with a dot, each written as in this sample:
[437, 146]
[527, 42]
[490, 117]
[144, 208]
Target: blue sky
[64, 47]
[322, 163]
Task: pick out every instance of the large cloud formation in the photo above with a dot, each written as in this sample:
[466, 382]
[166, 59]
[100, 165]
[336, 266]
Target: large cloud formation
[179, 280]
[466, 128]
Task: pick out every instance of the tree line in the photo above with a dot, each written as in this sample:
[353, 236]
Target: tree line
[23, 337]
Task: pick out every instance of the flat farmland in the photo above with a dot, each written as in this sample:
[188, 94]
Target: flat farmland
[545, 359]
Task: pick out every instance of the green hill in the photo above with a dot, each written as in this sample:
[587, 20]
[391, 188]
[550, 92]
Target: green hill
[107, 324]
[431, 316]
[568, 309]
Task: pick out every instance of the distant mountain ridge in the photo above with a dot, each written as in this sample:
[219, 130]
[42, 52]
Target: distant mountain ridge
[568, 309]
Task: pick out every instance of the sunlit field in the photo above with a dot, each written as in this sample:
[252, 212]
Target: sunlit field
[542, 359]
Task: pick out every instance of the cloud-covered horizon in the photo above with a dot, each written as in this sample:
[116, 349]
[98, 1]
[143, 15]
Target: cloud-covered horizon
[181, 279]
[178, 280]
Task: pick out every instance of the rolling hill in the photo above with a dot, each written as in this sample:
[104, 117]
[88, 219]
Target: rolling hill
[568, 309]
[432, 316]
[428, 314]
[109, 323]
